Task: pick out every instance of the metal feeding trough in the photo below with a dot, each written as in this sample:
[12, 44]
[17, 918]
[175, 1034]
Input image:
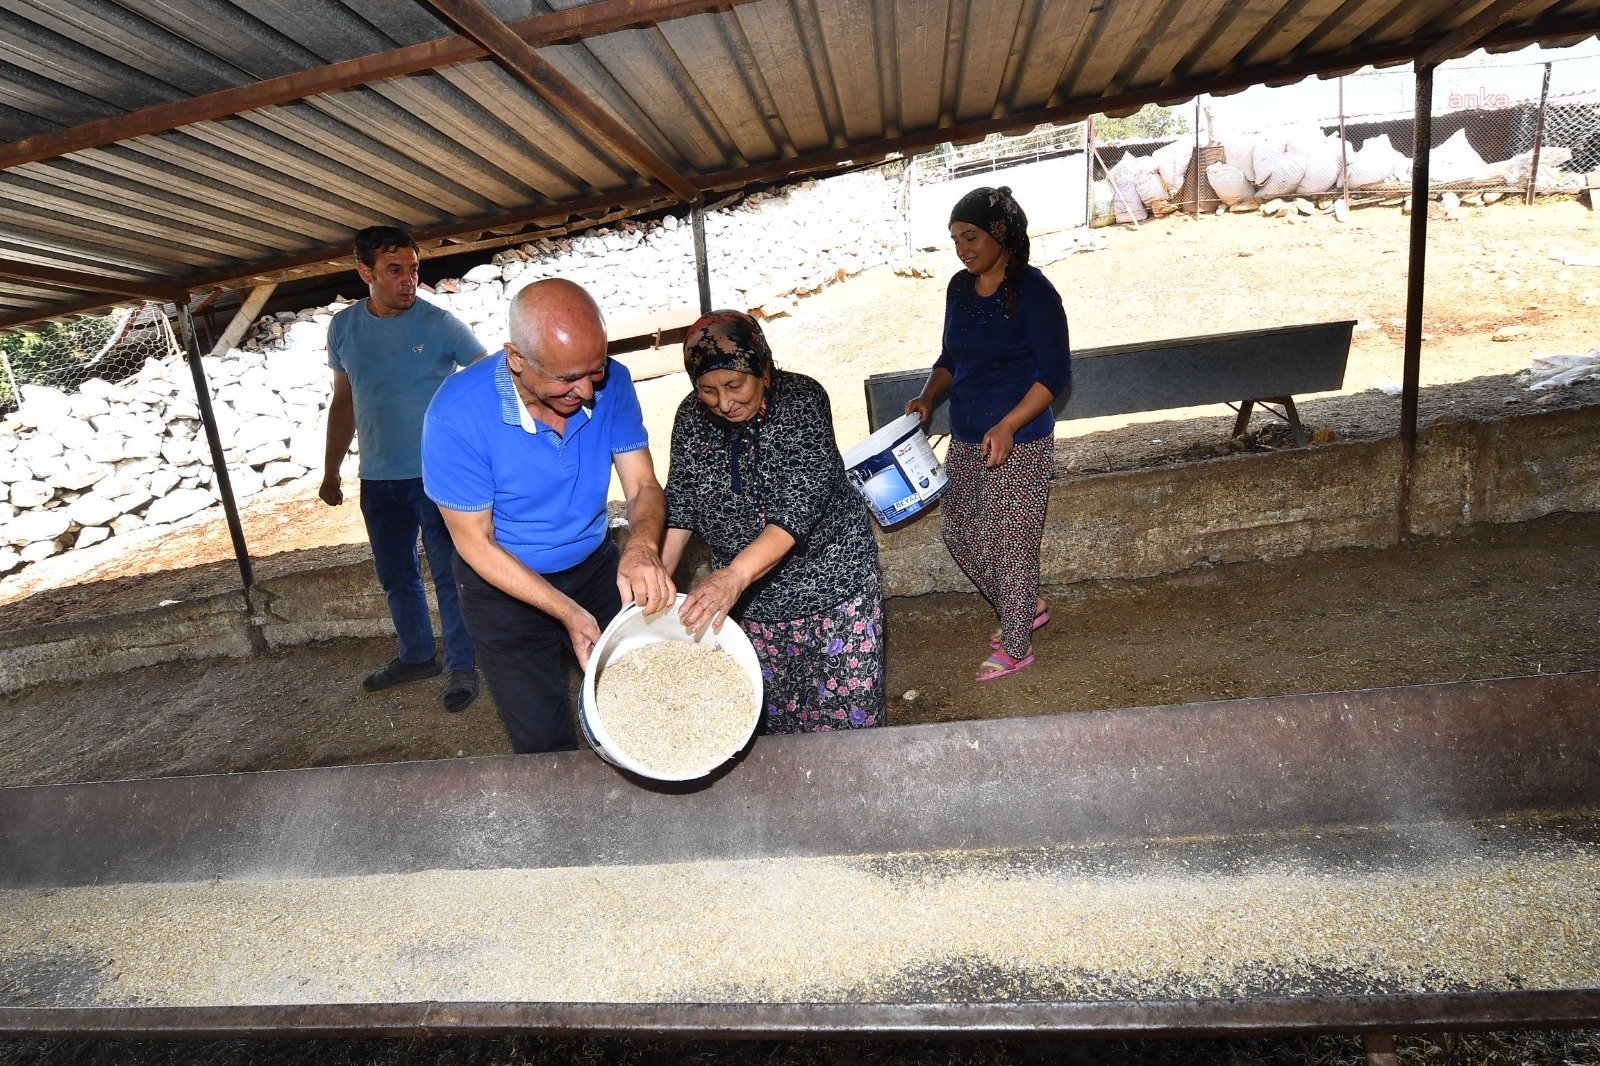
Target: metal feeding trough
[1370, 861]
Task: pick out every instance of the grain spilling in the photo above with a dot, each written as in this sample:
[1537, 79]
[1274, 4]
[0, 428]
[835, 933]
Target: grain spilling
[678, 708]
[1474, 908]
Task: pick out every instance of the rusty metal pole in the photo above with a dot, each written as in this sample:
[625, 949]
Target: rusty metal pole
[219, 465]
[1538, 135]
[1421, 145]
[702, 269]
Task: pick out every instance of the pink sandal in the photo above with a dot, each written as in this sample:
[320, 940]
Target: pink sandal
[1038, 622]
[1007, 665]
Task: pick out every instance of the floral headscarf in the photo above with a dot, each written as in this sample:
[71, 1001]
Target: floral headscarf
[726, 340]
[999, 215]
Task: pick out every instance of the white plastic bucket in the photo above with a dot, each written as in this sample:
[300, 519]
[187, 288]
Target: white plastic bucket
[631, 629]
[896, 471]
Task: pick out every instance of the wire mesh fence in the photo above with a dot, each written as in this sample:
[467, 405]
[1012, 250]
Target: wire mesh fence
[63, 356]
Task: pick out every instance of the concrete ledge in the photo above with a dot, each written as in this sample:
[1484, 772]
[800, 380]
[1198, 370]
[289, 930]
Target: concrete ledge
[210, 627]
[1125, 525]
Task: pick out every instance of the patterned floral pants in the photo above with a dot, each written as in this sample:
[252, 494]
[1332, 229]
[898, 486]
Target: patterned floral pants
[824, 672]
[993, 524]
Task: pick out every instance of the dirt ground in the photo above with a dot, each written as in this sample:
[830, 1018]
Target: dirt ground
[1494, 602]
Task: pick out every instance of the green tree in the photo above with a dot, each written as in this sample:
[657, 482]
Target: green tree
[48, 355]
[1149, 122]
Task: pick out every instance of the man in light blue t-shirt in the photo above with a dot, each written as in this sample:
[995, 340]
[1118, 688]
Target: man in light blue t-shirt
[389, 354]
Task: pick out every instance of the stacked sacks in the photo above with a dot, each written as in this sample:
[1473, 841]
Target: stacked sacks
[1377, 162]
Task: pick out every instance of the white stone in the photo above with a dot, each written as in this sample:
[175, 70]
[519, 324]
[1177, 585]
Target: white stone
[133, 500]
[176, 451]
[93, 509]
[127, 524]
[9, 560]
[90, 535]
[88, 405]
[39, 551]
[25, 494]
[258, 431]
[279, 473]
[176, 506]
[270, 452]
[142, 447]
[178, 407]
[40, 446]
[37, 525]
[106, 448]
[245, 482]
[13, 469]
[81, 474]
[7, 512]
[187, 484]
[41, 406]
[162, 482]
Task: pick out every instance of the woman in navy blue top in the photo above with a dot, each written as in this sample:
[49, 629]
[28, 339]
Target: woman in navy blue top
[1004, 361]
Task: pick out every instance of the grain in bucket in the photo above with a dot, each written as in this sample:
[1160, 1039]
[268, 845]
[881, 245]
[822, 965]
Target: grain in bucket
[664, 704]
[896, 471]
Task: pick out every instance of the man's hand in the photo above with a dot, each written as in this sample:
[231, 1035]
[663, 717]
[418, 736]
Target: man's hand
[641, 579]
[710, 603]
[583, 631]
[331, 492]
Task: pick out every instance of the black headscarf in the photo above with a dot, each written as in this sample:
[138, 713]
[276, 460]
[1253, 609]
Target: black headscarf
[997, 213]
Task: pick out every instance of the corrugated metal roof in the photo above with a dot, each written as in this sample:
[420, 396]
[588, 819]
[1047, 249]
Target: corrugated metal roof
[723, 95]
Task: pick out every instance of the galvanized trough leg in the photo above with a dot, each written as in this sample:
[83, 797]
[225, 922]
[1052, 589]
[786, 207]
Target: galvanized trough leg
[1380, 1049]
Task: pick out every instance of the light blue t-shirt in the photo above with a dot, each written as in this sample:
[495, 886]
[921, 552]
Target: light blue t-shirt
[395, 365]
[548, 489]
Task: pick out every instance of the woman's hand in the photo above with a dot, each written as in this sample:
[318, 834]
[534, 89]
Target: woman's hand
[922, 406]
[710, 603]
[996, 446]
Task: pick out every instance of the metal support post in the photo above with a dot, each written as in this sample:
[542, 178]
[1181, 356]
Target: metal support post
[1344, 152]
[219, 465]
[1421, 146]
[702, 269]
[1538, 134]
[1088, 172]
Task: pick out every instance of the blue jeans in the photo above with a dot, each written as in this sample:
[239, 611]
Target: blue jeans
[395, 512]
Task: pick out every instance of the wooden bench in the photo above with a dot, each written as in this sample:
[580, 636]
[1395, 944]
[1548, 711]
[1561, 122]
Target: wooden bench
[1258, 366]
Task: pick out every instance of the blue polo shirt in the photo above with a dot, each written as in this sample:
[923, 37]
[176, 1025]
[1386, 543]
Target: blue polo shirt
[548, 489]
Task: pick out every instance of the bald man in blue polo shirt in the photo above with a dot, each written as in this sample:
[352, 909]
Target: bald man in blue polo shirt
[517, 451]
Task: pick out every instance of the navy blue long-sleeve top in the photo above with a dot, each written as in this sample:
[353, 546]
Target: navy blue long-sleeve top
[995, 360]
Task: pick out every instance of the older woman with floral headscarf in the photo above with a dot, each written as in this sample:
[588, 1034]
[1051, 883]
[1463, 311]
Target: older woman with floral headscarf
[756, 473]
[1005, 360]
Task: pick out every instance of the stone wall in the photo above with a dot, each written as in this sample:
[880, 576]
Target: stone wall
[78, 468]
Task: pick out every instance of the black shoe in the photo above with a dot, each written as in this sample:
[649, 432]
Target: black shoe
[398, 672]
[460, 689]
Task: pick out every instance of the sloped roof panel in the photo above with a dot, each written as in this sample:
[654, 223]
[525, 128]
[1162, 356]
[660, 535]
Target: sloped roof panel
[457, 144]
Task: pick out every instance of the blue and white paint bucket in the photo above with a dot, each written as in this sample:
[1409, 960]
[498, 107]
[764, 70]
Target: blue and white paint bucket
[896, 471]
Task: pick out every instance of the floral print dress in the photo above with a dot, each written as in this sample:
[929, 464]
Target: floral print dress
[816, 619]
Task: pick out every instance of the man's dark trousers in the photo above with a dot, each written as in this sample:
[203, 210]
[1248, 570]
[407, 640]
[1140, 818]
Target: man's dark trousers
[395, 512]
[521, 649]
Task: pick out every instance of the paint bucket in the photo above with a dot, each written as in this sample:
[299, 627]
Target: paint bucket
[631, 629]
[896, 471]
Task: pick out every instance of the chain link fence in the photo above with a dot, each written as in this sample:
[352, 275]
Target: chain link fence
[63, 356]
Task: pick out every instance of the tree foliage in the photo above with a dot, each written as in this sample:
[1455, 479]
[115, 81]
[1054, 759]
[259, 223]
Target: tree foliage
[1149, 122]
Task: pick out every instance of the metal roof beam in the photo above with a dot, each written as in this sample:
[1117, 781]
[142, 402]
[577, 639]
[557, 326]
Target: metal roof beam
[513, 53]
[588, 20]
[95, 283]
[1466, 37]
